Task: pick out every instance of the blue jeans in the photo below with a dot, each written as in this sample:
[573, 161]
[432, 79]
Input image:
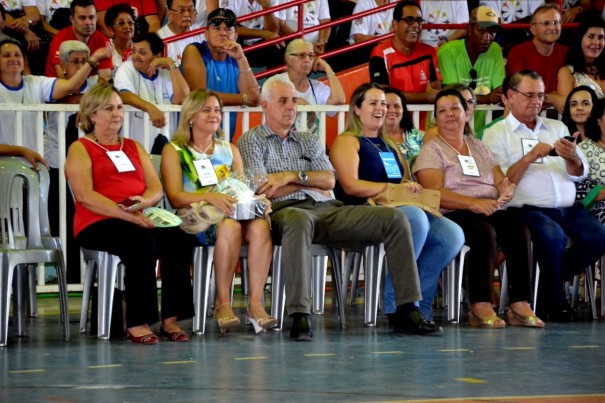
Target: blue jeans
[436, 242]
[550, 229]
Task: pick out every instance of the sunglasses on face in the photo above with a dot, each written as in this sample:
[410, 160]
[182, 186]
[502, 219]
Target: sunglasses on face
[217, 21]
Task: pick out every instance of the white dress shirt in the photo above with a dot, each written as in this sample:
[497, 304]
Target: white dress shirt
[546, 183]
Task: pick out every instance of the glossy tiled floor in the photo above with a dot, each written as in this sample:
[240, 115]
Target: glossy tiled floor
[563, 363]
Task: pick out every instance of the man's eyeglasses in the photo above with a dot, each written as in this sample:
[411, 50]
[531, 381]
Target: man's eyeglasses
[76, 62]
[473, 74]
[182, 11]
[547, 24]
[531, 95]
[122, 24]
[411, 20]
[470, 102]
[303, 55]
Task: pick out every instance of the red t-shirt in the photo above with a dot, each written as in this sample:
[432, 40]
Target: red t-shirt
[144, 7]
[406, 73]
[108, 181]
[96, 41]
[525, 56]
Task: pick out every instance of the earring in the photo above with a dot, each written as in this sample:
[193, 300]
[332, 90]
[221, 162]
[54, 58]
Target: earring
[190, 125]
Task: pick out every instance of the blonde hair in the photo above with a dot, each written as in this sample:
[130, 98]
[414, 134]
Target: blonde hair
[355, 127]
[194, 102]
[92, 101]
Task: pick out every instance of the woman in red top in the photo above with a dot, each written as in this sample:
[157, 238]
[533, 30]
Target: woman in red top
[104, 169]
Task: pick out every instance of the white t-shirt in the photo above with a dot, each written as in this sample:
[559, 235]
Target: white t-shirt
[33, 90]
[373, 24]
[174, 50]
[48, 7]
[442, 12]
[242, 8]
[157, 90]
[315, 11]
[12, 5]
[201, 18]
[511, 11]
[51, 138]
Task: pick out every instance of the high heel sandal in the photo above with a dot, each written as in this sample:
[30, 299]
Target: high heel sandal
[225, 317]
[150, 338]
[178, 337]
[491, 322]
[260, 319]
[516, 319]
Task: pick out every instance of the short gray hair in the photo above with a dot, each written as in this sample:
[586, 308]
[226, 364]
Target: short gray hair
[265, 92]
[68, 47]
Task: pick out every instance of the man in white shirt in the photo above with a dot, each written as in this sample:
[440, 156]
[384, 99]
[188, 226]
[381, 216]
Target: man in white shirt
[257, 29]
[535, 155]
[181, 14]
[314, 13]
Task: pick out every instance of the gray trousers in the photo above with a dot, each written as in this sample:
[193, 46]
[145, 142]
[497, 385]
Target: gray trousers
[299, 223]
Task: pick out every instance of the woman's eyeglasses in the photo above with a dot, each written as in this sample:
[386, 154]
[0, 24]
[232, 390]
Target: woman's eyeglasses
[122, 24]
[303, 55]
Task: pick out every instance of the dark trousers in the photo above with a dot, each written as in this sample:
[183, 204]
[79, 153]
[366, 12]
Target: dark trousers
[560, 260]
[139, 249]
[483, 235]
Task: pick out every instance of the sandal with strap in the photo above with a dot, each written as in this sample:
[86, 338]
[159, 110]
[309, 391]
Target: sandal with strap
[516, 319]
[491, 322]
[225, 317]
[177, 337]
[260, 319]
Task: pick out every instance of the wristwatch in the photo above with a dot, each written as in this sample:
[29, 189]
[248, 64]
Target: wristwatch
[302, 177]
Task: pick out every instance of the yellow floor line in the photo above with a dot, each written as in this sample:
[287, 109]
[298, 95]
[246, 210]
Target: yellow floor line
[387, 352]
[455, 350]
[320, 355]
[178, 362]
[471, 380]
[520, 348]
[588, 346]
[105, 366]
[250, 358]
[27, 371]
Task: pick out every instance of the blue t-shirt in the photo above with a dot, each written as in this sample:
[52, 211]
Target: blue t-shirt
[221, 76]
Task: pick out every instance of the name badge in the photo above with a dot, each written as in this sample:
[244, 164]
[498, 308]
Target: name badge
[469, 166]
[390, 165]
[121, 161]
[205, 171]
[527, 145]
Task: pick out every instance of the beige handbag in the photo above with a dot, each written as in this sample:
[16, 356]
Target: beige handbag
[199, 217]
[396, 194]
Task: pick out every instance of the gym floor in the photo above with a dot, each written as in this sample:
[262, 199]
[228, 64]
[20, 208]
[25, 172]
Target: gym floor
[560, 363]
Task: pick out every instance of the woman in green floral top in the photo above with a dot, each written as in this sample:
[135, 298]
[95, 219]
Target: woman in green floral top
[189, 179]
[399, 126]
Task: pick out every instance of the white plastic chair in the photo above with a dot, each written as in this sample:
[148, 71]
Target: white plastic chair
[35, 252]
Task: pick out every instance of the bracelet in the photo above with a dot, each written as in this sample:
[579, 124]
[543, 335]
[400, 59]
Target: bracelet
[92, 63]
[248, 69]
[245, 100]
[175, 65]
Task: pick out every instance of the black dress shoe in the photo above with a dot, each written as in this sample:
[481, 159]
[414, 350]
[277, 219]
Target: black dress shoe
[301, 327]
[560, 313]
[410, 321]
